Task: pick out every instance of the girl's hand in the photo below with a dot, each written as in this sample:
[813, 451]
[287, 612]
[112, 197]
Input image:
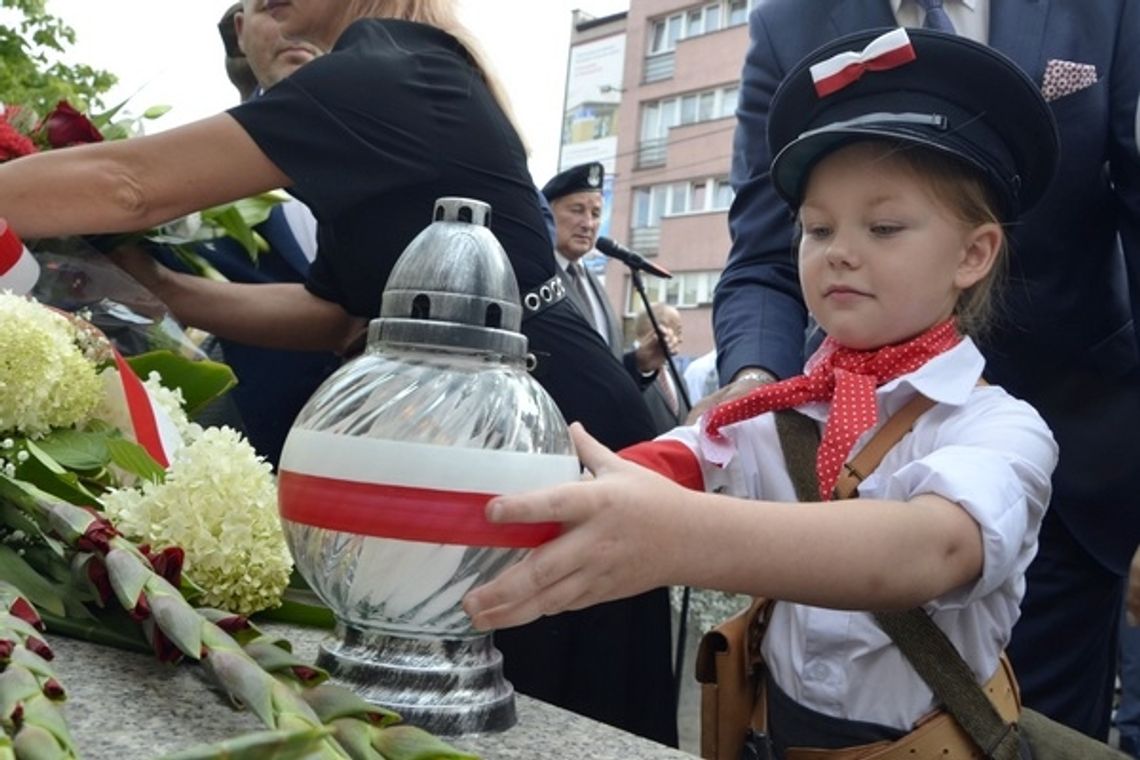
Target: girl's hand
[620, 532]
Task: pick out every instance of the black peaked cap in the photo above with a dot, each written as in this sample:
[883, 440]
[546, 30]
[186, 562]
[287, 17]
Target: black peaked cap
[956, 96]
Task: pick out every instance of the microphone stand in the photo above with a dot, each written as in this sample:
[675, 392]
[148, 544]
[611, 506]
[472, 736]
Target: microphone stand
[683, 393]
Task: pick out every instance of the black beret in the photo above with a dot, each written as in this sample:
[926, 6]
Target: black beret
[940, 91]
[583, 178]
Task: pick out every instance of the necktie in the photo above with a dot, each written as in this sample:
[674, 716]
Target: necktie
[936, 17]
[577, 277]
[845, 377]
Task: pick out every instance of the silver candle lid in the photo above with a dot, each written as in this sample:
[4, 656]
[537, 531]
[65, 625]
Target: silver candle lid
[453, 287]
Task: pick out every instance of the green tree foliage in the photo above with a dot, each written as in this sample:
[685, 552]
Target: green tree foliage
[31, 43]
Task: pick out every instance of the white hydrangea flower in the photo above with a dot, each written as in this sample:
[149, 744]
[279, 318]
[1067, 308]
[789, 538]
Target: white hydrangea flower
[45, 380]
[171, 402]
[219, 503]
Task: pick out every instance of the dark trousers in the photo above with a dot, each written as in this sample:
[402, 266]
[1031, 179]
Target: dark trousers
[1064, 647]
[610, 662]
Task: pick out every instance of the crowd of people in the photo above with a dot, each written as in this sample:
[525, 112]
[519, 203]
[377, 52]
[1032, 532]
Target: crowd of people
[963, 182]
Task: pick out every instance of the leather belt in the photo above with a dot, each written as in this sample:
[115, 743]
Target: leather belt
[539, 299]
[937, 735]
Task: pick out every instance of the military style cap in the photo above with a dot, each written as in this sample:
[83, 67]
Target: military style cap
[938, 91]
[583, 178]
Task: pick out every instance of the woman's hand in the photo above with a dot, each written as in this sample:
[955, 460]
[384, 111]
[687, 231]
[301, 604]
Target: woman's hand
[620, 531]
[138, 262]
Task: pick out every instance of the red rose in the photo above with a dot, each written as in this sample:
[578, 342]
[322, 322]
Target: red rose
[12, 143]
[65, 126]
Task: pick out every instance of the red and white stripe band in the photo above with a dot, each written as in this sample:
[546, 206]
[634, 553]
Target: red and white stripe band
[412, 491]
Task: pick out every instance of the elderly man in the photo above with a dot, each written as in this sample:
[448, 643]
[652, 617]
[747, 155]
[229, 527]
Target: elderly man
[575, 198]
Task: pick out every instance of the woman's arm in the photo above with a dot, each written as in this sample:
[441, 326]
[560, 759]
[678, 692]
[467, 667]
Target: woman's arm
[134, 184]
[631, 530]
[274, 315]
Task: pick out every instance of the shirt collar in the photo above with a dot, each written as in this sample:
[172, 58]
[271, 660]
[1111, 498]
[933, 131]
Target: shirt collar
[948, 378]
[896, 4]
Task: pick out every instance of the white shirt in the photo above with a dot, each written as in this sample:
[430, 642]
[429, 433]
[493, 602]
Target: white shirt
[700, 376]
[978, 447]
[303, 225]
[971, 18]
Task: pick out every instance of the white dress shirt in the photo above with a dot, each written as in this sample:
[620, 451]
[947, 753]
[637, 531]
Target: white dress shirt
[971, 18]
[978, 447]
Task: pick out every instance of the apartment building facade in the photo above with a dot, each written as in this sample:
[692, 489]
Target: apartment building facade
[674, 123]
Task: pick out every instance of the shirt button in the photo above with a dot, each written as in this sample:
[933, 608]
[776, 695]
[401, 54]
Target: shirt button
[819, 671]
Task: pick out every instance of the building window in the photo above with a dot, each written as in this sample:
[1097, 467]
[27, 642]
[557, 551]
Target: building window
[651, 204]
[666, 32]
[659, 116]
[696, 21]
[685, 290]
[737, 12]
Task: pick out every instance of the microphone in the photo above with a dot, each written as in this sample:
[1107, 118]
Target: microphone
[632, 259]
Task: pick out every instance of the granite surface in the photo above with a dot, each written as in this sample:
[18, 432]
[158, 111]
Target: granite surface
[126, 706]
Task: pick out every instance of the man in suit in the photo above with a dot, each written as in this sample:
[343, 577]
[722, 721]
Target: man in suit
[1066, 343]
[667, 404]
[575, 198]
[273, 384]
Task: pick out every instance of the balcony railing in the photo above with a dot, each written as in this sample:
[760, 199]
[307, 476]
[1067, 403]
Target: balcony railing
[659, 66]
[645, 240]
[652, 153]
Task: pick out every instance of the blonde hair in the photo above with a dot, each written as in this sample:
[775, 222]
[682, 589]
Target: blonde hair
[974, 201]
[442, 15]
[964, 190]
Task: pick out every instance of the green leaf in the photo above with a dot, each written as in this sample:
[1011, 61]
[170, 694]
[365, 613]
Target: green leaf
[46, 474]
[298, 613]
[155, 112]
[201, 381]
[229, 221]
[75, 449]
[260, 745]
[39, 591]
[135, 459]
[411, 743]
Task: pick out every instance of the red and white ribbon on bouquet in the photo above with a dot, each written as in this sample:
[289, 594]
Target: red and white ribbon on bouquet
[151, 427]
[412, 491]
[888, 51]
[19, 271]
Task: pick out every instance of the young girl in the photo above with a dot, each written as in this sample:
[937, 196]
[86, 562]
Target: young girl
[902, 172]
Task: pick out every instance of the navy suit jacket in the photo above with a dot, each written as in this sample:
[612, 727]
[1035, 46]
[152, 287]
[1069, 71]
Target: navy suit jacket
[1065, 339]
[273, 384]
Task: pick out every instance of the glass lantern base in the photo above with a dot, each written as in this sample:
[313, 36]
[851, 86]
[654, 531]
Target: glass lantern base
[446, 686]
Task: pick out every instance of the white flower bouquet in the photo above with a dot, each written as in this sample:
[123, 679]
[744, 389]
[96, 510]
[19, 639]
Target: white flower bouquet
[117, 514]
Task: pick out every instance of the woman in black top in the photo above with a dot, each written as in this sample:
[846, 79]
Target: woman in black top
[399, 112]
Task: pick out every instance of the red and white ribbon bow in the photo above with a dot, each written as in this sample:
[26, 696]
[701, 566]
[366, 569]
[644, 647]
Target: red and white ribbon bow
[18, 269]
[889, 51]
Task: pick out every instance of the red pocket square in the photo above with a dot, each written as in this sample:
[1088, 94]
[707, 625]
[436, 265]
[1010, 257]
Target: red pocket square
[1066, 77]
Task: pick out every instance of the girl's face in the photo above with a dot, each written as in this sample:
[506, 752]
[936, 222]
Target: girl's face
[881, 258]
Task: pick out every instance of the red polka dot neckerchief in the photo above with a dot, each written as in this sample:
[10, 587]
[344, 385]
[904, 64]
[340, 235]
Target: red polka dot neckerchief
[845, 377]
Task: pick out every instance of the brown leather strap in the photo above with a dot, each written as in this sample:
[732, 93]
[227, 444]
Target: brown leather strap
[937, 735]
[857, 469]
